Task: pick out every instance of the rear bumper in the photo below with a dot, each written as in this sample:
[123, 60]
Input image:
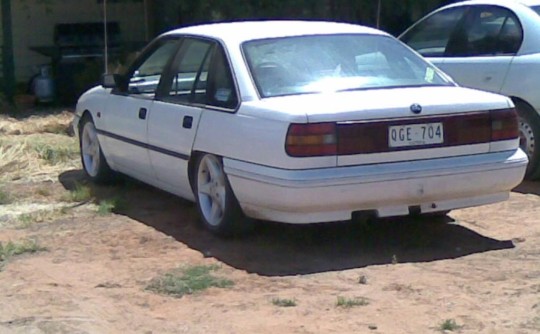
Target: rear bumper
[389, 189]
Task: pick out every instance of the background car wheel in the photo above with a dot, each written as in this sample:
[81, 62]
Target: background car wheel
[529, 134]
[94, 164]
[218, 207]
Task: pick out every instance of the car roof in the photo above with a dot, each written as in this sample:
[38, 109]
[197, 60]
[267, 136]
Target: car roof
[509, 3]
[249, 30]
[529, 2]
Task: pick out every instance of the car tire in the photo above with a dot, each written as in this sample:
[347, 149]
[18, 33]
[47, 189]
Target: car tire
[93, 161]
[529, 138]
[218, 207]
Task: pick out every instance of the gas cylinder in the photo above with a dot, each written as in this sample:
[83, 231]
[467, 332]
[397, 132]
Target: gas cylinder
[44, 85]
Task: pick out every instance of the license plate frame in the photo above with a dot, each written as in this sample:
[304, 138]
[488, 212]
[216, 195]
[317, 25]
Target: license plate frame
[417, 134]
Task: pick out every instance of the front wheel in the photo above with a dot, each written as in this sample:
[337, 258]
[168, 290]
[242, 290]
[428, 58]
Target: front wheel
[94, 164]
[529, 134]
[218, 207]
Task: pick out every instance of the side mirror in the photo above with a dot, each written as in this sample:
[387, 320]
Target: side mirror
[111, 80]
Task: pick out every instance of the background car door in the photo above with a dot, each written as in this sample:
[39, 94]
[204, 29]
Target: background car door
[128, 109]
[430, 36]
[175, 115]
[481, 49]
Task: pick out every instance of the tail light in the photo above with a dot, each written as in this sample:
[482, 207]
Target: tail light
[504, 124]
[311, 140]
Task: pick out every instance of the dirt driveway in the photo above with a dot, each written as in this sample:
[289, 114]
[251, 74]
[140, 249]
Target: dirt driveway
[476, 271]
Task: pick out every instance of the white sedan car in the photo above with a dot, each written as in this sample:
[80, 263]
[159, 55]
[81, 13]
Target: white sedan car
[492, 45]
[298, 122]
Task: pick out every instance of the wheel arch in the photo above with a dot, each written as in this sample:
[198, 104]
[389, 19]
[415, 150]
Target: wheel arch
[528, 114]
[86, 114]
[192, 164]
[521, 103]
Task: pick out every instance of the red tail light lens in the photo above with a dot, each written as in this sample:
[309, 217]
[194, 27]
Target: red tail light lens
[311, 140]
[504, 124]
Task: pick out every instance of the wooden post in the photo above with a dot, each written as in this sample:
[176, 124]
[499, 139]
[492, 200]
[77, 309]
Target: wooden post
[8, 65]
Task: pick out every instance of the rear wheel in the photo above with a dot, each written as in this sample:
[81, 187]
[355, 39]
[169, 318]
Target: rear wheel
[218, 207]
[529, 138]
[94, 164]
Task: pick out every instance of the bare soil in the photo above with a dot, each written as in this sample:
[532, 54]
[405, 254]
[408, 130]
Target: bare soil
[479, 268]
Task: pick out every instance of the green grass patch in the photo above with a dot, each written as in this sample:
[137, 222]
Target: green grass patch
[449, 325]
[80, 193]
[351, 302]
[284, 302]
[56, 154]
[5, 197]
[11, 249]
[107, 206]
[28, 219]
[188, 280]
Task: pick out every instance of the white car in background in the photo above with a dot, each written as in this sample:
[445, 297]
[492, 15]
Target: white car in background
[298, 122]
[493, 46]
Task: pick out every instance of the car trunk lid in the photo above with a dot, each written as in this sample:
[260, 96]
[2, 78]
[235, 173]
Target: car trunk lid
[403, 124]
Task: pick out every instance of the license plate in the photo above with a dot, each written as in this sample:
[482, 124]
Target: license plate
[415, 134]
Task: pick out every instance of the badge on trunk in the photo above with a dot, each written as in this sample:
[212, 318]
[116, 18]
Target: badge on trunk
[416, 108]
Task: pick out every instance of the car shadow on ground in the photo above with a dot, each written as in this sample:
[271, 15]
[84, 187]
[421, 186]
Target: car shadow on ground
[528, 187]
[274, 249]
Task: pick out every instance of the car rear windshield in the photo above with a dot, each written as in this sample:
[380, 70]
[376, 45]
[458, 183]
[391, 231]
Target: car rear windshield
[329, 63]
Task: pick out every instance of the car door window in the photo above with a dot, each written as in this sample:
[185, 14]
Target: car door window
[221, 90]
[430, 37]
[189, 72]
[511, 36]
[145, 78]
[487, 30]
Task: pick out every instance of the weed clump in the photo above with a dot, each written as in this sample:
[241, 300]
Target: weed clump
[188, 280]
[11, 249]
[284, 302]
[351, 302]
[449, 325]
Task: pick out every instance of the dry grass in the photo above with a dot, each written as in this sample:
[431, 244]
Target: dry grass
[26, 220]
[36, 148]
[56, 123]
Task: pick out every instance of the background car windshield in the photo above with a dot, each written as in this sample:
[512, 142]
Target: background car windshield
[312, 64]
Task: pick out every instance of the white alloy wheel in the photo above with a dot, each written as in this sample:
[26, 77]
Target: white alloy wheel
[90, 150]
[529, 132]
[526, 137]
[212, 190]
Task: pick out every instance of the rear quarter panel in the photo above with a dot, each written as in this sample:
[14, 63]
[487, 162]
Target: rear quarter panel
[523, 80]
[252, 135]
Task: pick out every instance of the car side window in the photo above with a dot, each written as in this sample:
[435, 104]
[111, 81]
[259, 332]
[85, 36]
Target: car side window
[487, 30]
[145, 78]
[189, 72]
[221, 90]
[430, 37]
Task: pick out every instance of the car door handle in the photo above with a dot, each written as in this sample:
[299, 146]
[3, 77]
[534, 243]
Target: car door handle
[142, 113]
[187, 123]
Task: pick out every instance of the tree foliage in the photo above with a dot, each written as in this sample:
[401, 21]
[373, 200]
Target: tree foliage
[395, 15]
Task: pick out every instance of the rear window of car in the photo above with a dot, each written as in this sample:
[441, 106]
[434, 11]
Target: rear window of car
[536, 9]
[321, 63]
